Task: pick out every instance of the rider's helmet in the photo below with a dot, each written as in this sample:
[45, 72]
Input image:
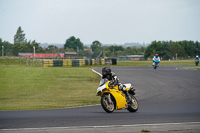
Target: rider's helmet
[156, 55]
[106, 71]
[197, 56]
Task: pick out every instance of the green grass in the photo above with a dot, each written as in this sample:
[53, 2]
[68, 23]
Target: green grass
[37, 63]
[193, 68]
[149, 63]
[143, 130]
[42, 88]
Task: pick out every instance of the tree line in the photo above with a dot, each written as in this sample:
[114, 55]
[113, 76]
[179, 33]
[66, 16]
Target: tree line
[165, 49]
[171, 49]
[72, 44]
[98, 50]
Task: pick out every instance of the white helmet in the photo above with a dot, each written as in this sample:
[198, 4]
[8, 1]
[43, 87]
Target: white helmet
[197, 56]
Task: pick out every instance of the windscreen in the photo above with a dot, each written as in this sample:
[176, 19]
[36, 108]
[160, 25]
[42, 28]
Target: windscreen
[103, 81]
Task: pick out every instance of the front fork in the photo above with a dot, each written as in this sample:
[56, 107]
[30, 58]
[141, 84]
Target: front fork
[132, 92]
[109, 98]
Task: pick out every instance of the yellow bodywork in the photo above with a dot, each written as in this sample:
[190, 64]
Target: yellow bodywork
[117, 94]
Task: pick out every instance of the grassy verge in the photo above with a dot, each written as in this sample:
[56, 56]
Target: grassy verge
[37, 63]
[193, 68]
[42, 88]
[162, 63]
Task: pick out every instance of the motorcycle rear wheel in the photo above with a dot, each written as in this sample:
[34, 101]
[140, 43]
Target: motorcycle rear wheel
[134, 106]
[108, 107]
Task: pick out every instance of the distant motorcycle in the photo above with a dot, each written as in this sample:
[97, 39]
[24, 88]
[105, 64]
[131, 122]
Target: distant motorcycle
[114, 99]
[155, 64]
[196, 62]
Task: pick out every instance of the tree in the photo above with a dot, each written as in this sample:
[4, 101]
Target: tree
[151, 50]
[166, 53]
[114, 50]
[37, 46]
[167, 50]
[21, 44]
[74, 43]
[52, 49]
[1, 46]
[197, 48]
[96, 45]
[96, 48]
[176, 48]
[7, 48]
[19, 37]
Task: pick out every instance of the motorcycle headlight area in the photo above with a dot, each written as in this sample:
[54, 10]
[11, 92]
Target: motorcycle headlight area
[101, 88]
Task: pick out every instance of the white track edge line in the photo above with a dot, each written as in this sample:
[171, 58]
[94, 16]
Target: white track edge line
[97, 72]
[74, 127]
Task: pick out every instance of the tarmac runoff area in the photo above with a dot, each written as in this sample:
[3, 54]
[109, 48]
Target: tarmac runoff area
[189, 127]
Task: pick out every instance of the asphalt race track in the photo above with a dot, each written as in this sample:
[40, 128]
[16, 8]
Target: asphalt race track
[165, 95]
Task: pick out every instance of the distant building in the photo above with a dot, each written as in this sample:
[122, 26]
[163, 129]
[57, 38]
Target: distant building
[131, 58]
[70, 55]
[41, 55]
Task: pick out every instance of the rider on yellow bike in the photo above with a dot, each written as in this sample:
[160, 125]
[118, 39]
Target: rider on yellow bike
[112, 77]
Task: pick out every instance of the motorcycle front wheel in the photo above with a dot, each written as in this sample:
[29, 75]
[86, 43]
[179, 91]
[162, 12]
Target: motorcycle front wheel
[107, 104]
[133, 107]
[155, 66]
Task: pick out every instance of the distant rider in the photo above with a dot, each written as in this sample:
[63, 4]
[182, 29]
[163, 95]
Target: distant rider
[197, 59]
[112, 77]
[156, 58]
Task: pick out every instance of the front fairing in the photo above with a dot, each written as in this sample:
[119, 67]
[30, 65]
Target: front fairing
[102, 86]
[103, 81]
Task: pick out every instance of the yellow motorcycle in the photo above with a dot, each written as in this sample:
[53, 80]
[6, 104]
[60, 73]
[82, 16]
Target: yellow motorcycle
[112, 98]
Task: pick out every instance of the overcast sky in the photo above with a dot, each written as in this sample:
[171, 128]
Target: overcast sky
[108, 21]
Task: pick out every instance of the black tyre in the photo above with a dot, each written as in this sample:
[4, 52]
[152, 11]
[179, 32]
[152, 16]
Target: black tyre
[155, 65]
[107, 105]
[133, 107]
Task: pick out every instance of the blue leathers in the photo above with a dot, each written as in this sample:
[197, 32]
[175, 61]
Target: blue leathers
[156, 59]
[196, 58]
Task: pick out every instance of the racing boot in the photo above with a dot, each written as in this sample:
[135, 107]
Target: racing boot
[128, 97]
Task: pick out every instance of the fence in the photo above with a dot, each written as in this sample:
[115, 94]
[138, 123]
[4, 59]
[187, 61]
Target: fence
[52, 62]
[72, 62]
[21, 61]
